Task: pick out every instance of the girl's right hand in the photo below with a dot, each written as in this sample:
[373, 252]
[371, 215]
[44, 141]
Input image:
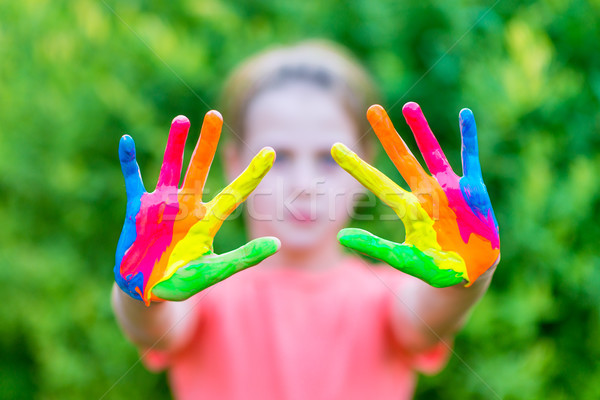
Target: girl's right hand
[165, 251]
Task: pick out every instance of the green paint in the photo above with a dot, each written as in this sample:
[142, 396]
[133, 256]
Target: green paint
[404, 257]
[211, 269]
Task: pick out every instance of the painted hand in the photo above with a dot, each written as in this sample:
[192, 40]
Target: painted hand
[165, 251]
[451, 230]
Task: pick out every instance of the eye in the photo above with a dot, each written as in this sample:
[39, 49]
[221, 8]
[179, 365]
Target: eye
[282, 157]
[325, 159]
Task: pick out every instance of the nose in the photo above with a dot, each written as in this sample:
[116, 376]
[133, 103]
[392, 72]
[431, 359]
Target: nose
[304, 177]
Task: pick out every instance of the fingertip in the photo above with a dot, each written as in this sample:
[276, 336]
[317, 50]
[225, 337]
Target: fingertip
[126, 148]
[267, 153]
[342, 233]
[466, 114]
[341, 154]
[126, 140]
[346, 232]
[466, 121]
[214, 114]
[340, 150]
[180, 121]
[266, 245]
[214, 119]
[411, 110]
[276, 242]
[262, 162]
[375, 113]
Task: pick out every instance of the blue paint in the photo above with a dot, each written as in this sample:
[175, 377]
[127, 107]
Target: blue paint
[471, 184]
[128, 285]
[134, 188]
[470, 150]
[131, 170]
[476, 196]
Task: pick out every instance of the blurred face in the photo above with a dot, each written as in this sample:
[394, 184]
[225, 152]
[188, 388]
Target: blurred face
[306, 197]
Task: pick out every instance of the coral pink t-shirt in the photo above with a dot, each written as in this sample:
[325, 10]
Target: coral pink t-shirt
[290, 334]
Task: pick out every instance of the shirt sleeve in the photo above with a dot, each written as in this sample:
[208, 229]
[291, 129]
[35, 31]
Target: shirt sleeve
[433, 360]
[155, 360]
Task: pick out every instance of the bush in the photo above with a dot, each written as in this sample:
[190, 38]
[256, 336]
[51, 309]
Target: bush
[75, 76]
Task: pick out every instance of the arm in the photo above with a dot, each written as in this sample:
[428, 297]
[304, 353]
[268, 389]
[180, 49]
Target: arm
[165, 325]
[451, 231]
[434, 313]
[165, 251]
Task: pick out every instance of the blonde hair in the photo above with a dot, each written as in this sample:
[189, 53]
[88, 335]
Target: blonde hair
[319, 62]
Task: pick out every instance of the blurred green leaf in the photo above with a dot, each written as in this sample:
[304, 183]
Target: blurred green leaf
[75, 76]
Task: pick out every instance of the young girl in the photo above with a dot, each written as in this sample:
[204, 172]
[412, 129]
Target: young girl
[311, 321]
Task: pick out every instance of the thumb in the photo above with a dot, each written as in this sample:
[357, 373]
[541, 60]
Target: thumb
[211, 269]
[403, 257]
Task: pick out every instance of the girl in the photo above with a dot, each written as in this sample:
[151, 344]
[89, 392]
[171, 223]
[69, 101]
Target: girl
[311, 321]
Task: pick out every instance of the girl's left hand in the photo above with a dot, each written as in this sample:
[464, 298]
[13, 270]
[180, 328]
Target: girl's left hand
[451, 231]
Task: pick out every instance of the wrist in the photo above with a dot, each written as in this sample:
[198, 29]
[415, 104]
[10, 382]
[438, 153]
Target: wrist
[485, 278]
[121, 299]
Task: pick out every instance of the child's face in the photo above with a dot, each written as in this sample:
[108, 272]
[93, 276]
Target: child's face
[306, 197]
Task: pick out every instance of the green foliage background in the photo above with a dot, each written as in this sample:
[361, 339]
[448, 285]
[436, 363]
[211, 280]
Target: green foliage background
[75, 76]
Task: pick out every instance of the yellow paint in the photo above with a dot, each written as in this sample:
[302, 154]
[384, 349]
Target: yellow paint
[418, 223]
[199, 239]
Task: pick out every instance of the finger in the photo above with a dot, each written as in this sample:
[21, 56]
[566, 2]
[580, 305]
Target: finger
[219, 208]
[406, 258]
[134, 186]
[195, 177]
[207, 271]
[170, 171]
[394, 146]
[470, 150]
[430, 148]
[135, 189]
[373, 179]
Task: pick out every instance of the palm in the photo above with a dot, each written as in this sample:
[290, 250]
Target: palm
[165, 248]
[451, 231]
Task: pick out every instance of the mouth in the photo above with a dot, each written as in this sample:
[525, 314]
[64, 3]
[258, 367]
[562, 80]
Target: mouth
[302, 215]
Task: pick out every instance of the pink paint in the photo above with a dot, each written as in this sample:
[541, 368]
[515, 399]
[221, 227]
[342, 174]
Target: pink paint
[468, 223]
[157, 212]
[170, 173]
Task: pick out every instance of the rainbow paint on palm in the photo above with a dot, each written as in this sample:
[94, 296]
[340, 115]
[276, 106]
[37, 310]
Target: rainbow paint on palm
[451, 231]
[165, 251]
